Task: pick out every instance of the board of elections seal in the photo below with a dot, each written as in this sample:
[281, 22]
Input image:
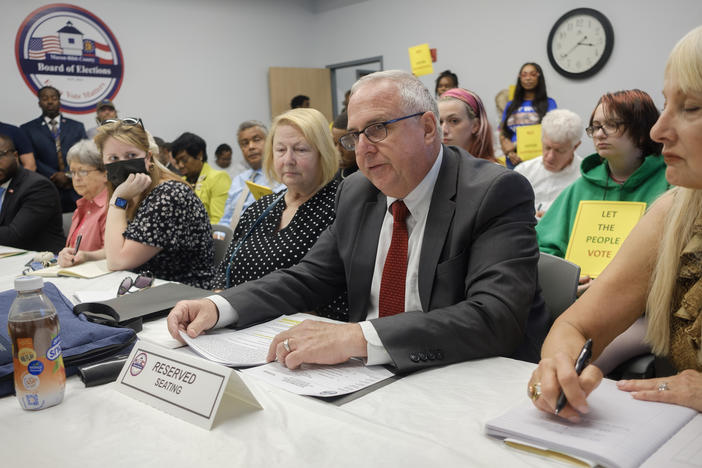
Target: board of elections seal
[138, 364]
[73, 50]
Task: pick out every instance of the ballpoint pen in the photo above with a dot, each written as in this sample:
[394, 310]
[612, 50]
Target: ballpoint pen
[78, 239]
[580, 363]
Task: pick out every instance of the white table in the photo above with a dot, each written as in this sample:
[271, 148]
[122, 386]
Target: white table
[430, 418]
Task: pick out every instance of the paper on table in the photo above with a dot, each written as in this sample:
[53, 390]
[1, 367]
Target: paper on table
[619, 431]
[84, 270]
[684, 450]
[10, 252]
[246, 347]
[320, 380]
[95, 295]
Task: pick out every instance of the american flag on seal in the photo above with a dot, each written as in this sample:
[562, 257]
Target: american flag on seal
[40, 46]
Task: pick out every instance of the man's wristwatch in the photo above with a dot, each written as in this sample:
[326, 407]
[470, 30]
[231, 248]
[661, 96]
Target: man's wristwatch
[120, 203]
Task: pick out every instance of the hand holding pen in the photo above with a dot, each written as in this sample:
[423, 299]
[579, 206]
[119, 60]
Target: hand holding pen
[580, 364]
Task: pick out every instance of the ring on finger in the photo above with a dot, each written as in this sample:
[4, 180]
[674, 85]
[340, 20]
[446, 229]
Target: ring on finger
[286, 344]
[535, 391]
[663, 386]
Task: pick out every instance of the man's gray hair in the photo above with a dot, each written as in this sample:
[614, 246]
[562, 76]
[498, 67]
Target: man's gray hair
[415, 97]
[85, 152]
[562, 126]
[247, 124]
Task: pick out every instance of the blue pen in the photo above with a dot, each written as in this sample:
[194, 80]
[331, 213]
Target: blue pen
[580, 364]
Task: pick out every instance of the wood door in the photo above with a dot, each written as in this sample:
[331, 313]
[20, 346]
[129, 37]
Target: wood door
[286, 83]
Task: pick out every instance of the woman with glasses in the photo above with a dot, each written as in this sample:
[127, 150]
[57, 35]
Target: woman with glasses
[657, 268]
[528, 107]
[89, 179]
[464, 123]
[627, 166]
[155, 222]
[277, 230]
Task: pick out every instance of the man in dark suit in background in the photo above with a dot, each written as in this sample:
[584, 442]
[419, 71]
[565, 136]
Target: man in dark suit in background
[30, 213]
[454, 280]
[52, 135]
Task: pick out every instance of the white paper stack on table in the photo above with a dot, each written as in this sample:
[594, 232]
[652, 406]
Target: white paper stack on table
[249, 347]
[619, 431]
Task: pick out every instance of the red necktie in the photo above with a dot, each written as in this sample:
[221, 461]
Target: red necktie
[392, 284]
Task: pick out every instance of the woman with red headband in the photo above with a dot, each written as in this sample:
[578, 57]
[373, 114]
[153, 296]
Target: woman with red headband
[464, 123]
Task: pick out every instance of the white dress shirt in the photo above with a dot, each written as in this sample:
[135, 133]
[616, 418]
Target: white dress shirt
[417, 202]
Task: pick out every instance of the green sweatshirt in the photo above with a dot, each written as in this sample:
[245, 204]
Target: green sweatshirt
[644, 185]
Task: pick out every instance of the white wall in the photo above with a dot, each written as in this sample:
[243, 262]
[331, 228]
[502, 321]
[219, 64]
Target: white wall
[485, 42]
[202, 66]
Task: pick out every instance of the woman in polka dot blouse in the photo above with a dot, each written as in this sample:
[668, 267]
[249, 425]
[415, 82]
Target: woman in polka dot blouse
[278, 229]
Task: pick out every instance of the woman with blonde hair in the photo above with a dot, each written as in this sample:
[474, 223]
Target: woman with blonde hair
[657, 269]
[278, 229]
[155, 222]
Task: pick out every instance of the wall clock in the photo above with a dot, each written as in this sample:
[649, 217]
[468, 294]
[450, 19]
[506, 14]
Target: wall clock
[580, 43]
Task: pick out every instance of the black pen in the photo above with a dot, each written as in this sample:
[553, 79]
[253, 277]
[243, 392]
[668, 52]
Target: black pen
[580, 364]
[80, 238]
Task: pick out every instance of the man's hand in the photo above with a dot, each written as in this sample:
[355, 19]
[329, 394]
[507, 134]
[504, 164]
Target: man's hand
[193, 317]
[317, 342]
[61, 180]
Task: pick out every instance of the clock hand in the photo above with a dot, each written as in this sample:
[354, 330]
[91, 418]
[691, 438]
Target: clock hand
[574, 47]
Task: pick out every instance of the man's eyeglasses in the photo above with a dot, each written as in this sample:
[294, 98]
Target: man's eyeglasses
[142, 281]
[81, 173]
[375, 132]
[6, 153]
[608, 128]
[126, 121]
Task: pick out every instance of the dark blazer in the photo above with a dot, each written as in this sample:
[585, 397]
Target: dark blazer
[45, 155]
[30, 217]
[477, 274]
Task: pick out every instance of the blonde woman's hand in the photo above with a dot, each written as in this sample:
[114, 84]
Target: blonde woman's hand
[134, 185]
[684, 389]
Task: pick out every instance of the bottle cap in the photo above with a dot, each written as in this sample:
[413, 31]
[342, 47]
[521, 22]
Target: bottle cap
[28, 283]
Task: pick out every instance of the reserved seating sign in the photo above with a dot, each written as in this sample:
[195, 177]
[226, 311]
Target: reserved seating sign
[184, 386]
[599, 230]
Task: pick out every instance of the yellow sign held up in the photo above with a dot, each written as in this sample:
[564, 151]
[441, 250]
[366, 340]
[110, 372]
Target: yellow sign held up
[511, 88]
[258, 190]
[599, 230]
[420, 60]
[529, 141]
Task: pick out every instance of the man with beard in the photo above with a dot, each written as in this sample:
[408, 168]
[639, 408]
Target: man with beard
[30, 212]
[52, 135]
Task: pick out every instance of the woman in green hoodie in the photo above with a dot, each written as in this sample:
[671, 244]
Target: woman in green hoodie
[627, 166]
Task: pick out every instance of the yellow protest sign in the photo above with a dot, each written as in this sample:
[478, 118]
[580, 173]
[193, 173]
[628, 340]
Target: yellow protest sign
[258, 190]
[598, 232]
[511, 88]
[420, 60]
[529, 141]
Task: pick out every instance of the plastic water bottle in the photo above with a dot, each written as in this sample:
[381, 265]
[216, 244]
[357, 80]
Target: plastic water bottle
[40, 377]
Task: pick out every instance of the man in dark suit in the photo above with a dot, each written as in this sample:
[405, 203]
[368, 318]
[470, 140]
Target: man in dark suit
[52, 135]
[469, 246]
[30, 213]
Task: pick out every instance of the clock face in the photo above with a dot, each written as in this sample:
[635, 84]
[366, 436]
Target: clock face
[580, 43]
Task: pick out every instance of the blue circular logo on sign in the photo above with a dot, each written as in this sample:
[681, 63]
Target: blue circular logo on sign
[35, 367]
[71, 49]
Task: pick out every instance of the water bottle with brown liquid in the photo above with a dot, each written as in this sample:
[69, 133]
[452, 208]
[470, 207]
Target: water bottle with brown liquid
[39, 373]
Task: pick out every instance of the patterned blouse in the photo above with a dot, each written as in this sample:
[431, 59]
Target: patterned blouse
[269, 249]
[173, 218]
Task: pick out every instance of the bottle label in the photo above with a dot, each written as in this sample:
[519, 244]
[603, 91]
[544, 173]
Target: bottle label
[35, 367]
[54, 350]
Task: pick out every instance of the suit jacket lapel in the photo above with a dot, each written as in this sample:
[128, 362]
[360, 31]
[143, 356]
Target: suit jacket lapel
[363, 257]
[439, 219]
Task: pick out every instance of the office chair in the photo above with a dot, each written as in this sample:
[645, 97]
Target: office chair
[222, 236]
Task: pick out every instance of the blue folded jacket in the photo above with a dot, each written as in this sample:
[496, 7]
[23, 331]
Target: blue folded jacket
[82, 341]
